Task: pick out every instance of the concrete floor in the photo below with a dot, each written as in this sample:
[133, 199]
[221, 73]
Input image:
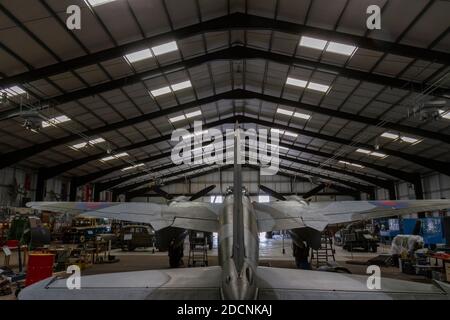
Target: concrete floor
[271, 254]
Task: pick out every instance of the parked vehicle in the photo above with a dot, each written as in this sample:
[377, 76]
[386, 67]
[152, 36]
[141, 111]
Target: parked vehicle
[137, 236]
[84, 229]
[355, 238]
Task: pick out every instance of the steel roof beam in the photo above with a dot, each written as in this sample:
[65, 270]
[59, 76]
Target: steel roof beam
[16, 156]
[234, 53]
[235, 21]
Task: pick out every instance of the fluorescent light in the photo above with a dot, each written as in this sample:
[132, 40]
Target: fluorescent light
[117, 156]
[318, 87]
[390, 135]
[363, 151]
[313, 43]
[165, 48]
[181, 85]
[133, 167]
[285, 112]
[139, 55]
[161, 91]
[351, 164]
[177, 118]
[340, 48]
[55, 121]
[193, 114]
[95, 3]
[296, 82]
[13, 91]
[444, 114]
[302, 115]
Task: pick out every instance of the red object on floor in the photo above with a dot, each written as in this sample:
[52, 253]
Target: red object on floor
[12, 243]
[40, 267]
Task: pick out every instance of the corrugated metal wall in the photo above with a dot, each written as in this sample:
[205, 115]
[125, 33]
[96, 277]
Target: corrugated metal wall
[435, 186]
[54, 187]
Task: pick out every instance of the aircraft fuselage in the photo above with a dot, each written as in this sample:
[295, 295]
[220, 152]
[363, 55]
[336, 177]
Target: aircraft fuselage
[239, 270]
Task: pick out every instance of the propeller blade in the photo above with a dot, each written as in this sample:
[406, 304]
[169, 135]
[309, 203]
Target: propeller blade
[273, 193]
[162, 193]
[202, 193]
[314, 191]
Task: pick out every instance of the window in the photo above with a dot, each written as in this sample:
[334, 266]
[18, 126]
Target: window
[216, 199]
[263, 199]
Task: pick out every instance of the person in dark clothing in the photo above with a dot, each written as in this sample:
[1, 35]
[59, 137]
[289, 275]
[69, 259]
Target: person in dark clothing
[176, 253]
[301, 254]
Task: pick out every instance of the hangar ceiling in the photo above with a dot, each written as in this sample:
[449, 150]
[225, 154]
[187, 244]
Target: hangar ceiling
[345, 97]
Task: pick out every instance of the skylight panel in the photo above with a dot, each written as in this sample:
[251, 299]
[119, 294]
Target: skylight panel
[285, 112]
[390, 135]
[363, 151]
[84, 144]
[302, 115]
[139, 56]
[165, 48]
[177, 118]
[444, 114]
[409, 140]
[340, 48]
[160, 92]
[181, 85]
[318, 87]
[378, 154]
[117, 156]
[296, 82]
[193, 114]
[13, 91]
[133, 167]
[96, 3]
[351, 164]
[55, 121]
[313, 43]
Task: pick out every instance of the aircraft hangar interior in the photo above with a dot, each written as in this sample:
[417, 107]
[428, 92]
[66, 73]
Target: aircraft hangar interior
[224, 149]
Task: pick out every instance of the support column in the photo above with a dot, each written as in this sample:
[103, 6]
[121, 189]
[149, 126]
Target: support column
[40, 186]
[115, 196]
[97, 191]
[73, 189]
[392, 192]
[418, 189]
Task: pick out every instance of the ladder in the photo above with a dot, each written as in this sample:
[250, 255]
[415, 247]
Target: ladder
[326, 251]
[198, 249]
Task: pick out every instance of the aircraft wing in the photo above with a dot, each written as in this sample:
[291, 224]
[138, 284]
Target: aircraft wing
[292, 284]
[199, 216]
[170, 284]
[284, 215]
